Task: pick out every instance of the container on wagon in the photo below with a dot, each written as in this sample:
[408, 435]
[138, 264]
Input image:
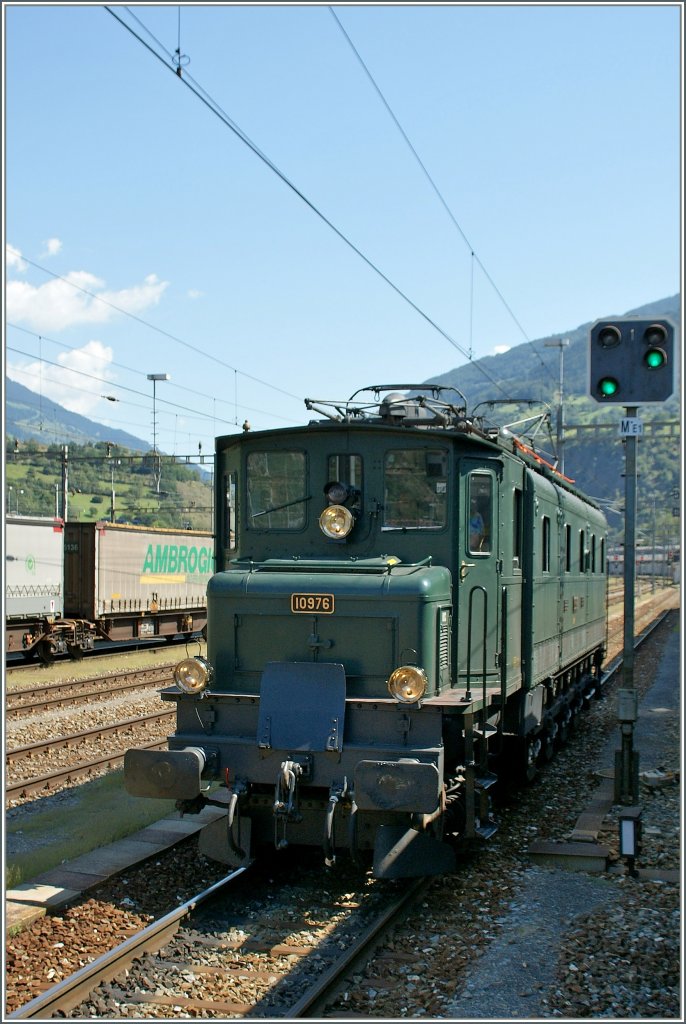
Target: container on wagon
[137, 581]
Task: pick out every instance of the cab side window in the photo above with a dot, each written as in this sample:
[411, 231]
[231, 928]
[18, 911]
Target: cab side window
[230, 490]
[480, 513]
[545, 544]
[517, 530]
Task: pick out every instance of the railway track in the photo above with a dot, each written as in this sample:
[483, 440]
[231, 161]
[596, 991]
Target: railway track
[55, 757]
[55, 695]
[75, 739]
[49, 781]
[277, 969]
[647, 607]
[45, 784]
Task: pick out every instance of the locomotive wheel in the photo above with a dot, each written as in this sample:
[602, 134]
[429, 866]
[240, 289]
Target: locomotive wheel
[531, 769]
[564, 727]
[46, 652]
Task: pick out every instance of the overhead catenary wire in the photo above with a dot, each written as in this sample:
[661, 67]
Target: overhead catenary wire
[153, 327]
[167, 60]
[197, 414]
[130, 369]
[434, 186]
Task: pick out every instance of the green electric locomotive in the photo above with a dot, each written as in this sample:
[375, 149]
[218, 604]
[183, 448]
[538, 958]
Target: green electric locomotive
[406, 604]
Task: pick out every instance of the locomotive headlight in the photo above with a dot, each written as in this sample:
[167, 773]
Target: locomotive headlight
[408, 684]
[336, 522]
[193, 675]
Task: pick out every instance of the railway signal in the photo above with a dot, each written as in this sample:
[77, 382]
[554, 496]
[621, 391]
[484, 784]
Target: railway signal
[631, 361]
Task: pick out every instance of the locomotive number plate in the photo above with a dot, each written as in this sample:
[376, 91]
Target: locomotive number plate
[309, 603]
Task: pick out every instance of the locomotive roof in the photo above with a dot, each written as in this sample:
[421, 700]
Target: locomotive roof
[434, 409]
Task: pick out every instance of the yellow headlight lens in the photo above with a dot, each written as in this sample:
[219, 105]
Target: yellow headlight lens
[408, 684]
[193, 675]
[336, 522]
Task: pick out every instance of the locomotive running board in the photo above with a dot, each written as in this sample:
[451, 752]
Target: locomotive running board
[401, 852]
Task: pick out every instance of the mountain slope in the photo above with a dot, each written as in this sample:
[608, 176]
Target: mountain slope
[29, 416]
[531, 370]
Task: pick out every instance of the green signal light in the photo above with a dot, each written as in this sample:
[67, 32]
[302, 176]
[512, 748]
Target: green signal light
[608, 387]
[655, 358]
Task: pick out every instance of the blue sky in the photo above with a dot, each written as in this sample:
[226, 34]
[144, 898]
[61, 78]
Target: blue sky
[552, 133]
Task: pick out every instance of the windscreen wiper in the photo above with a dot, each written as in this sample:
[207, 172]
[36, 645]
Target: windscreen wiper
[277, 508]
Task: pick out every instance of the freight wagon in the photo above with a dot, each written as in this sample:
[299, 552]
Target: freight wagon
[70, 584]
[34, 579]
[133, 581]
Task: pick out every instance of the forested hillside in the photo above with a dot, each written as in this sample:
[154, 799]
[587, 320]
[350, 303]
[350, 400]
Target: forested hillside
[100, 476]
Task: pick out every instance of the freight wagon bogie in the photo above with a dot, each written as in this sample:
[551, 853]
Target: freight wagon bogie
[366, 700]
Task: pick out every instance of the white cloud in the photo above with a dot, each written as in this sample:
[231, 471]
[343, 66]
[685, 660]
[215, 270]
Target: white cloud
[77, 382]
[52, 246]
[63, 302]
[194, 293]
[499, 350]
[14, 261]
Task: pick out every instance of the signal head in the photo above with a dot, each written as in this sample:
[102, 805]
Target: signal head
[631, 361]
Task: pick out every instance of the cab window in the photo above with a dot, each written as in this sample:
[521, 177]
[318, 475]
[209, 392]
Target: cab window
[277, 499]
[545, 544]
[345, 468]
[517, 530]
[415, 489]
[568, 548]
[230, 533]
[480, 513]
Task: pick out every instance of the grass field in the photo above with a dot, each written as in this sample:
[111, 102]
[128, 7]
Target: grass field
[43, 834]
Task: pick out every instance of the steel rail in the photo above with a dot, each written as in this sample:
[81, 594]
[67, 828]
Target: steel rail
[641, 614]
[64, 996]
[81, 684]
[615, 665]
[324, 988]
[75, 739]
[77, 771]
[16, 710]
